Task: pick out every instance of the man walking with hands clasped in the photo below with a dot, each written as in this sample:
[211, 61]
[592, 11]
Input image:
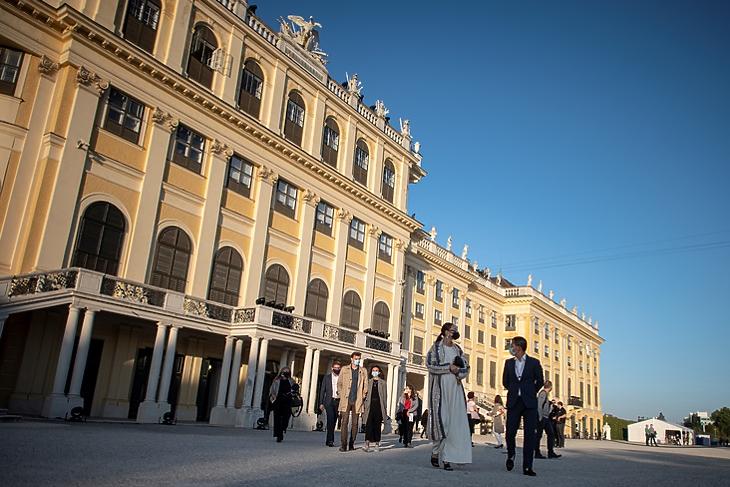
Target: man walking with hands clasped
[522, 377]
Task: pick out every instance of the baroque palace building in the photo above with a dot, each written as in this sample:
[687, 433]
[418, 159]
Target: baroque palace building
[189, 202]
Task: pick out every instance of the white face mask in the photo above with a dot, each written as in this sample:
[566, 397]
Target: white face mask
[375, 373]
[356, 362]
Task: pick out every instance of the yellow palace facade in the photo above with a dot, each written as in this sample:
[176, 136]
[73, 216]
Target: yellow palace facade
[189, 202]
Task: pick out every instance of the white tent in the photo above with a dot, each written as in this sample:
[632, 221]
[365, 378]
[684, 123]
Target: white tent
[666, 433]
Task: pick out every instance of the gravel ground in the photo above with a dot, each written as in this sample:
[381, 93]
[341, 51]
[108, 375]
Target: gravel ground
[47, 453]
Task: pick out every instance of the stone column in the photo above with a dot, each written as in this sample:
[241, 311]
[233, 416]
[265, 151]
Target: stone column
[373, 234]
[173, 41]
[142, 232]
[71, 169]
[148, 410]
[428, 339]
[447, 304]
[306, 375]
[398, 268]
[313, 383]
[347, 147]
[260, 372]
[284, 360]
[305, 250]
[408, 307]
[277, 99]
[251, 372]
[19, 203]
[230, 81]
[395, 390]
[401, 182]
[218, 415]
[313, 143]
[56, 404]
[338, 277]
[207, 238]
[257, 250]
[167, 368]
[235, 375]
[82, 352]
[375, 169]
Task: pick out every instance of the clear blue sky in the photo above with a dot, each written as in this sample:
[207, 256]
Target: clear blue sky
[564, 129]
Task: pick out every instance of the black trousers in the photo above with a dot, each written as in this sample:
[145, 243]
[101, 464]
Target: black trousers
[406, 429]
[545, 425]
[282, 414]
[331, 410]
[560, 435]
[529, 418]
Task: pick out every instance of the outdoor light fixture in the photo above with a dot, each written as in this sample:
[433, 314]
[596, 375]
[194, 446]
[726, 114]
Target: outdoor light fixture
[261, 300]
[270, 304]
[289, 309]
[279, 306]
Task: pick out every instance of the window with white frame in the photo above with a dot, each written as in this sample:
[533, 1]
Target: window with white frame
[286, 198]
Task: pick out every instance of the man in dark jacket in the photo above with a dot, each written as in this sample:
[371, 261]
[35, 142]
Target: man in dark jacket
[523, 378]
[329, 401]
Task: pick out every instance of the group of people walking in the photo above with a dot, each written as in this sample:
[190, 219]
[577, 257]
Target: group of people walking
[348, 393]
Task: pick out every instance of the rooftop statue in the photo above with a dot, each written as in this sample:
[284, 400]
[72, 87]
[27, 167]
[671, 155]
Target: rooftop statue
[405, 127]
[304, 33]
[539, 286]
[489, 272]
[529, 280]
[465, 251]
[380, 109]
[551, 294]
[417, 147]
[433, 234]
[449, 242]
[354, 86]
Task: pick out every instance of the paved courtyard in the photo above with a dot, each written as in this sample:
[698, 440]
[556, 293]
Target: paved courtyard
[47, 453]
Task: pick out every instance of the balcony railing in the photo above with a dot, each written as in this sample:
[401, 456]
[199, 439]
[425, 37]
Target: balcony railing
[575, 401]
[416, 359]
[37, 289]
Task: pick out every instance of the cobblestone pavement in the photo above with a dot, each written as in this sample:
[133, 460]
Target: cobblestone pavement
[46, 453]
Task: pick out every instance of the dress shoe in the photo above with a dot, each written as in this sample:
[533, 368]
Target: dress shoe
[530, 472]
[329, 444]
[435, 461]
[448, 467]
[342, 448]
[351, 447]
[510, 463]
[540, 455]
[554, 455]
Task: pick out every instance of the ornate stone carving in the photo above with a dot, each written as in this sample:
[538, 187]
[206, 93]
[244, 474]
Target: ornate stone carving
[41, 283]
[344, 215]
[380, 109]
[84, 77]
[354, 85]
[405, 127]
[218, 147]
[47, 66]
[400, 244]
[374, 231]
[304, 34]
[266, 174]
[165, 119]
[310, 197]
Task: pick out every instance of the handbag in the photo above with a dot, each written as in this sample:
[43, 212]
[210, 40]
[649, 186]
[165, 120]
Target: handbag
[459, 362]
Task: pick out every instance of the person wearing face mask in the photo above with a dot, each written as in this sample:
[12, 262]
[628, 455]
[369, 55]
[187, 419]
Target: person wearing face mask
[407, 409]
[329, 400]
[374, 408]
[448, 426]
[280, 395]
[352, 389]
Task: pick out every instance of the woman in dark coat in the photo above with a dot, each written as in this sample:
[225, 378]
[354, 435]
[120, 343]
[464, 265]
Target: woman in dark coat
[280, 394]
[374, 409]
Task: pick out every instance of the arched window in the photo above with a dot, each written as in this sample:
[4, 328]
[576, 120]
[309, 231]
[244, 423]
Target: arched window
[294, 122]
[362, 161]
[99, 242]
[252, 87]
[330, 142]
[388, 180]
[351, 311]
[172, 256]
[200, 60]
[277, 284]
[225, 280]
[317, 295]
[140, 24]
[381, 317]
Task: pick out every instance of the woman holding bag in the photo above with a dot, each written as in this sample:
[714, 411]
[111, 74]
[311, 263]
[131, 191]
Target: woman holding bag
[374, 412]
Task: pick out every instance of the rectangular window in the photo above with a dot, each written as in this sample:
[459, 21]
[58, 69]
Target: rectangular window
[547, 351]
[418, 345]
[493, 341]
[467, 308]
[467, 332]
[124, 115]
[420, 282]
[556, 335]
[547, 331]
[494, 319]
[323, 218]
[357, 233]
[557, 355]
[240, 174]
[439, 291]
[437, 317]
[595, 396]
[510, 322]
[570, 361]
[537, 326]
[188, 149]
[286, 198]
[507, 343]
[385, 247]
[140, 25]
[570, 344]
[536, 347]
[492, 374]
[454, 298]
[481, 314]
[480, 336]
[480, 371]
[419, 310]
[455, 320]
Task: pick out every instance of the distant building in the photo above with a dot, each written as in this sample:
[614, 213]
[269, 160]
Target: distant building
[666, 432]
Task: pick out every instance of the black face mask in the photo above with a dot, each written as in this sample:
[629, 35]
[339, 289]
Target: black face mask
[285, 374]
[455, 335]
[336, 371]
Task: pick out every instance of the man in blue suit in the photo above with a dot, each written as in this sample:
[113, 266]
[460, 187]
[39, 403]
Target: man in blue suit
[523, 378]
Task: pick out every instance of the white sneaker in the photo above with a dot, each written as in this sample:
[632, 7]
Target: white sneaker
[377, 447]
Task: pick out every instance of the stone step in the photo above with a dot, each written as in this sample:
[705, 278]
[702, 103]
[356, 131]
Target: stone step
[3, 412]
[10, 418]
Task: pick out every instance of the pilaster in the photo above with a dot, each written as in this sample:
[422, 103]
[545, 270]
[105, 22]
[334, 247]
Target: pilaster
[306, 231]
[257, 250]
[338, 277]
[373, 234]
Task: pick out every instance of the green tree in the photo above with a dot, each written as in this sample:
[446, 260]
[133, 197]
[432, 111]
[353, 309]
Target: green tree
[721, 421]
